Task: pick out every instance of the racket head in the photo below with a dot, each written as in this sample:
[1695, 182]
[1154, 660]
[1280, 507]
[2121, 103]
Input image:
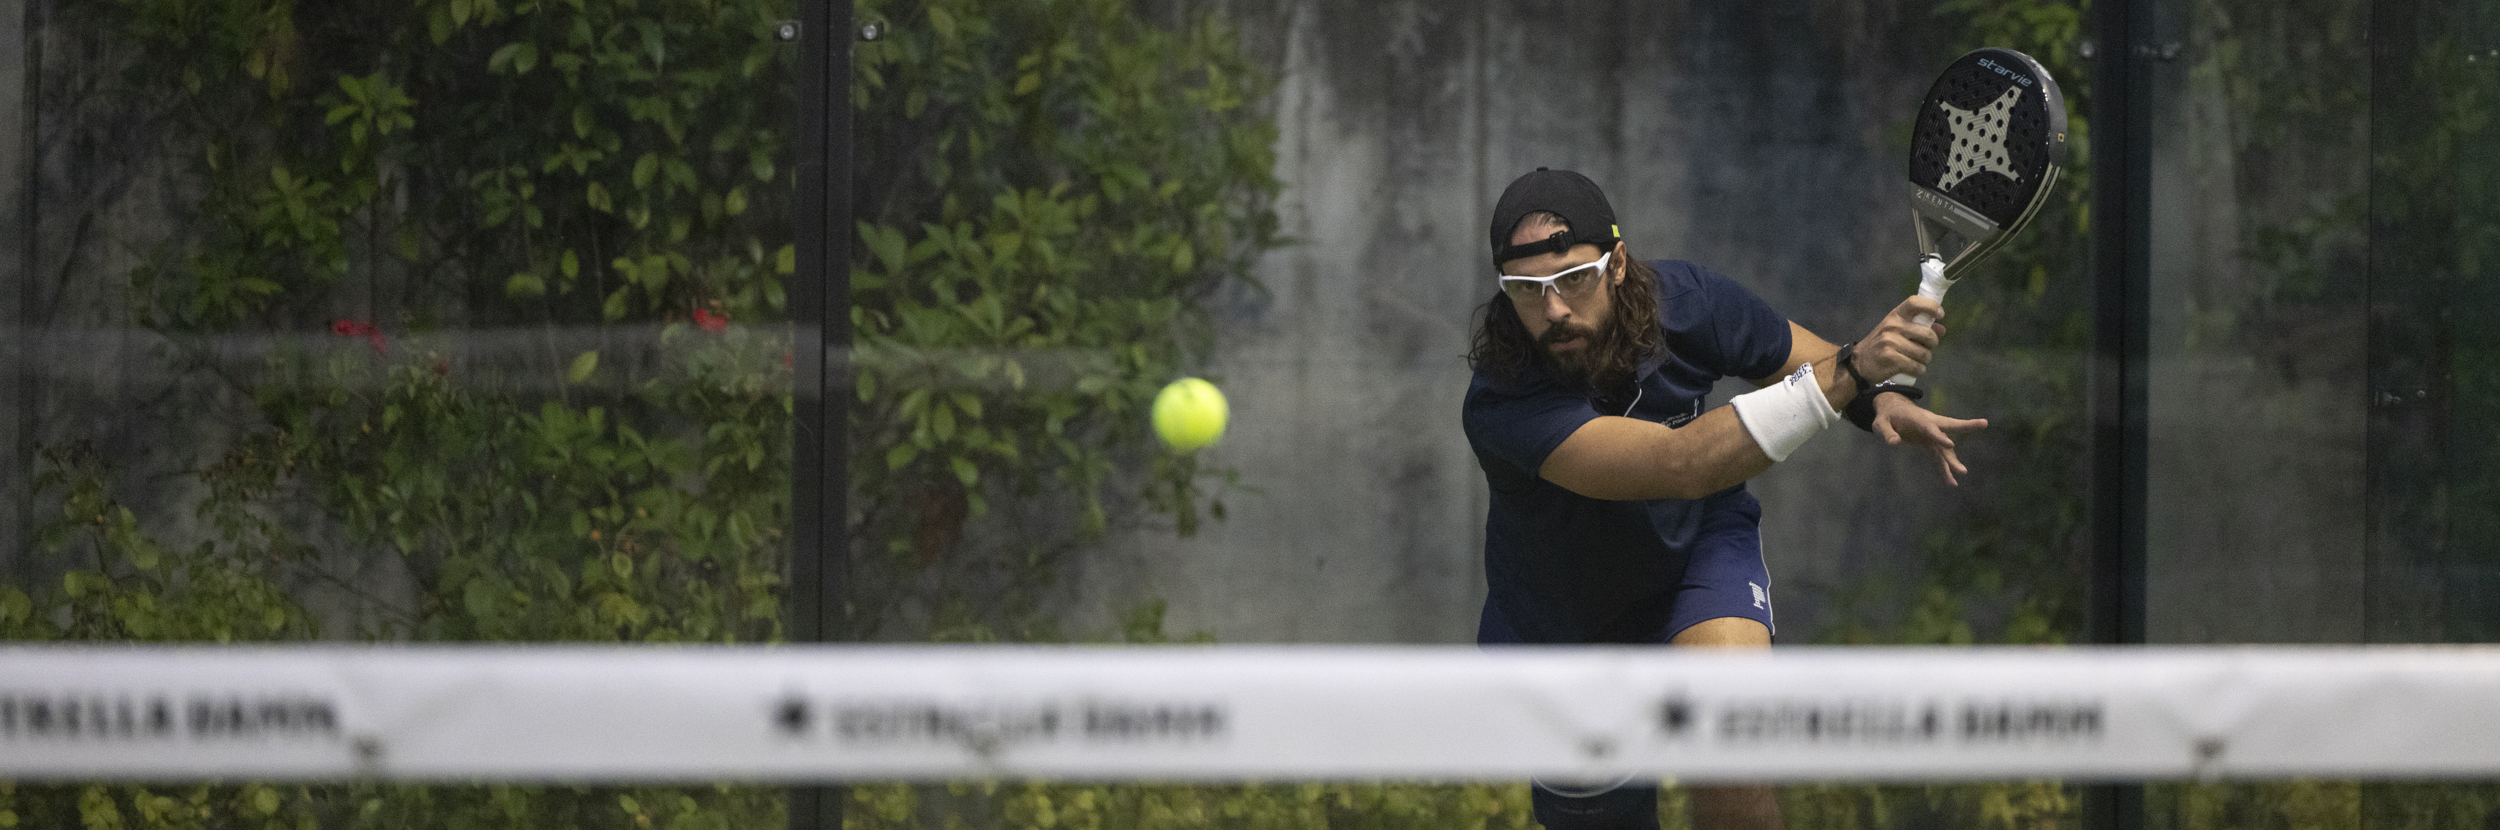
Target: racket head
[1985, 150]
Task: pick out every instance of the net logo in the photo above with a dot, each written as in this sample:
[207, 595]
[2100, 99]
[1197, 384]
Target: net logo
[122, 716]
[986, 727]
[1885, 721]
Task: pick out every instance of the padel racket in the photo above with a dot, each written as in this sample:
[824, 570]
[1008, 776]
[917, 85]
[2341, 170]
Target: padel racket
[1986, 149]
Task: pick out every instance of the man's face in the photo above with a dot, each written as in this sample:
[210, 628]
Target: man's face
[1564, 328]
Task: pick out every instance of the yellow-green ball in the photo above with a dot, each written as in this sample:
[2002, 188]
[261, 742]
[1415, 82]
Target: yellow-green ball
[1190, 413]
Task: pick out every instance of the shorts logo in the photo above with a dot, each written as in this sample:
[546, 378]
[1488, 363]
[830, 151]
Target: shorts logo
[1761, 598]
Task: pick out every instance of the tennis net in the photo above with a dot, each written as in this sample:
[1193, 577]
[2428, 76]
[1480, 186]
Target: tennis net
[863, 713]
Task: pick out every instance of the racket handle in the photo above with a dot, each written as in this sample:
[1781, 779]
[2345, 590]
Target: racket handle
[1931, 285]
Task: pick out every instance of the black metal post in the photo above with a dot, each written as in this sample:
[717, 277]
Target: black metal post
[2121, 336]
[24, 381]
[820, 302]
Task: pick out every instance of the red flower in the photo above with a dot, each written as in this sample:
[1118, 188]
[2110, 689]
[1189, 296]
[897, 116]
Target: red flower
[708, 321]
[370, 332]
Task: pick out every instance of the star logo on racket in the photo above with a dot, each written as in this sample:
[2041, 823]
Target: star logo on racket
[1979, 140]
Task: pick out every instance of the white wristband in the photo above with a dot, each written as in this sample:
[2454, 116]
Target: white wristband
[1783, 415]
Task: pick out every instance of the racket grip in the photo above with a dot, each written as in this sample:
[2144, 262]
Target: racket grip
[1931, 285]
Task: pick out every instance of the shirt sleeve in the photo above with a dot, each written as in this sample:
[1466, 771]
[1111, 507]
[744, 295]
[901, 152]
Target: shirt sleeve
[1518, 428]
[1734, 331]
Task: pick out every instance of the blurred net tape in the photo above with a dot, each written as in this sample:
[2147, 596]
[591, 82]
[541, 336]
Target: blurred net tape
[1302, 713]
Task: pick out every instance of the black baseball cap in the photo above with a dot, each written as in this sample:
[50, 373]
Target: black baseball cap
[1564, 193]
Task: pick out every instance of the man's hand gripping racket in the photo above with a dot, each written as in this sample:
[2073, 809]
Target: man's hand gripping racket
[1984, 153]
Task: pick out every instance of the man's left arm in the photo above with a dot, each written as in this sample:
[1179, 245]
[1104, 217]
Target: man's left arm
[1897, 418]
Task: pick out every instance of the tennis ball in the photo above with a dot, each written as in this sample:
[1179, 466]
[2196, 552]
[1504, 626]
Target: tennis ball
[1190, 413]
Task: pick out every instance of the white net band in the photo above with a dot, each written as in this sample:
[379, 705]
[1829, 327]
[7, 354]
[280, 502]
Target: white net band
[1300, 713]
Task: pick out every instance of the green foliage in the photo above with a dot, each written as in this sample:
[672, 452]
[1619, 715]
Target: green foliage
[1049, 192]
[517, 253]
[1175, 806]
[450, 211]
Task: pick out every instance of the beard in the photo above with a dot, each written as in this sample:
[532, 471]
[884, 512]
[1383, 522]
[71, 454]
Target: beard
[1578, 367]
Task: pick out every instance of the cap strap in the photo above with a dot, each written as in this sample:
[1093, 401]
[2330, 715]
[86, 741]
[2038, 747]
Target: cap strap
[1560, 242]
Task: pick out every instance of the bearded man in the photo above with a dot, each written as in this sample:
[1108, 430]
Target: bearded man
[1619, 512]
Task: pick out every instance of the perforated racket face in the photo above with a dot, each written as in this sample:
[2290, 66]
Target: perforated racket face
[1990, 135]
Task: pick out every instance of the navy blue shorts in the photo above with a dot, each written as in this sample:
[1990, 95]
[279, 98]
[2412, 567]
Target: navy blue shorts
[1724, 577]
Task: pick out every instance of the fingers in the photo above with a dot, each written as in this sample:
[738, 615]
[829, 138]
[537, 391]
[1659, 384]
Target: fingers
[1949, 464]
[1939, 438]
[1900, 344]
[1916, 307]
[1956, 425]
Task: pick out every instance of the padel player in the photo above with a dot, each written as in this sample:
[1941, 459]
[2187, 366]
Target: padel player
[1619, 512]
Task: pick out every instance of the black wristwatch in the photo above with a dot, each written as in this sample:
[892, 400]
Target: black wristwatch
[1849, 350]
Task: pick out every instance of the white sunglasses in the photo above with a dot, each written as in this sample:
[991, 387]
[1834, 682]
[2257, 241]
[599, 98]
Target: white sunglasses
[1572, 284]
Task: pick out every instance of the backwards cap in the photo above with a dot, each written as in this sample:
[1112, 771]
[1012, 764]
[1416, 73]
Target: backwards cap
[1564, 193]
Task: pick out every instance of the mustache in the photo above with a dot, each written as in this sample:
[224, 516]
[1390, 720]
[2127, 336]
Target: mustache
[1560, 332]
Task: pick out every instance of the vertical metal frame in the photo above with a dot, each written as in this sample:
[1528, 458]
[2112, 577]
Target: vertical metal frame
[23, 317]
[2122, 257]
[2121, 337]
[820, 320]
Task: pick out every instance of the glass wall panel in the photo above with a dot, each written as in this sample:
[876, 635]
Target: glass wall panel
[1290, 200]
[2259, 239]
[396, 322]
[2434, 431]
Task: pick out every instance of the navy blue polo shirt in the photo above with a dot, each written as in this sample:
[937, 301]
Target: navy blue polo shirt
[1561, 567]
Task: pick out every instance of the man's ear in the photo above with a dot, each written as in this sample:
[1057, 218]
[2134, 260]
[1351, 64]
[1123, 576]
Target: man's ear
[1622, 263]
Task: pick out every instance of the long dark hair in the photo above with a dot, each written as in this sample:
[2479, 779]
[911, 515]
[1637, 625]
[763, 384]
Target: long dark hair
[1503, 350]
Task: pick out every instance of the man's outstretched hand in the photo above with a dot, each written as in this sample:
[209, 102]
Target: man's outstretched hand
[1898, 420]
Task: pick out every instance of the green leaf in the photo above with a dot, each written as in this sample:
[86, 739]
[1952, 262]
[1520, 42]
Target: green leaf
[502, 59]
[965, 471]
[645, 169]
[583, 364]
[15, 606]
[524, 286]
[942, 22]
[478, 598]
